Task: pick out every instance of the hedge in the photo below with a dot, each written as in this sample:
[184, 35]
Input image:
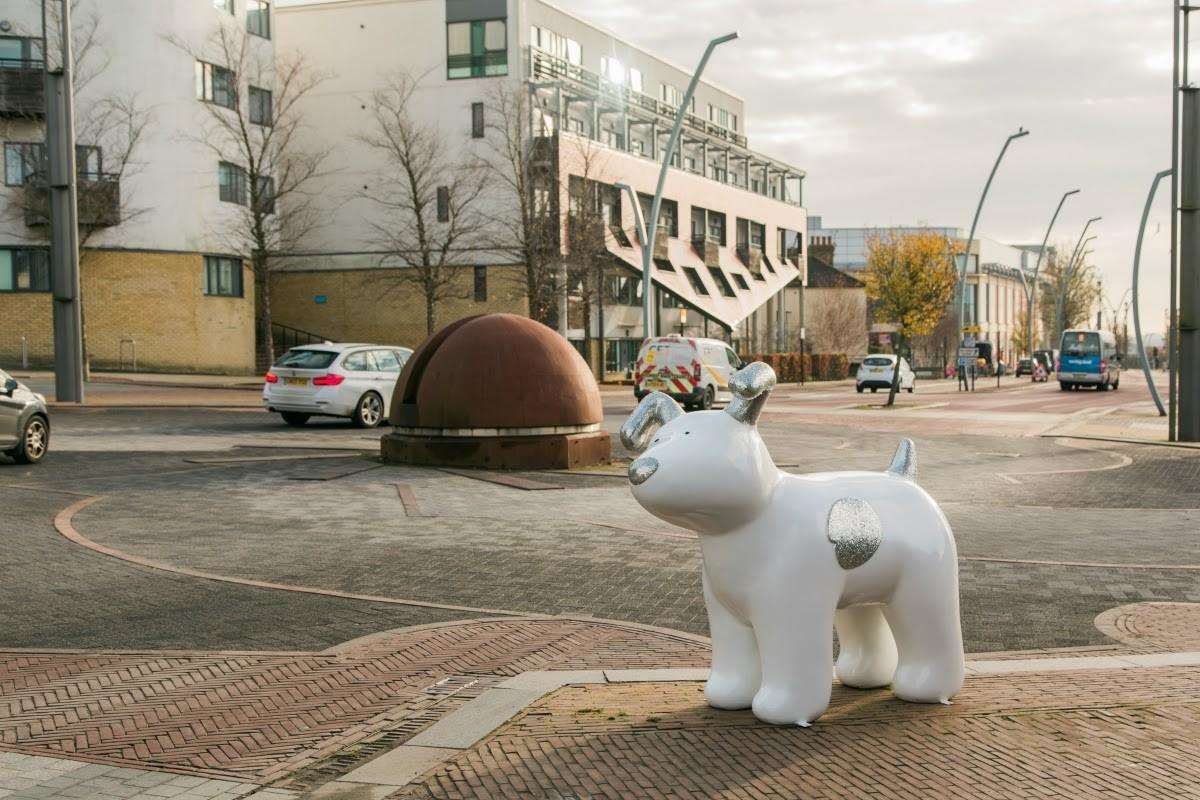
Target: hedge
[817, 366]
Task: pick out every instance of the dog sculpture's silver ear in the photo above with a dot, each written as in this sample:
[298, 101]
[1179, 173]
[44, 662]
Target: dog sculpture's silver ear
[655, 410]
[751, 385]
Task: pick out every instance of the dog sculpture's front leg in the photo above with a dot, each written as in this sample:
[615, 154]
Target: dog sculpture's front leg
[795, 641]
[735, 675]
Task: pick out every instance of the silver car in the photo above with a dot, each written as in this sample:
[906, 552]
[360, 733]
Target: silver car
[24, 422]
[335, 380]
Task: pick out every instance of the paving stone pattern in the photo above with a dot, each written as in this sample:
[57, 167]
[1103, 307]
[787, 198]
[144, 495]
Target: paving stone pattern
[1116, 733]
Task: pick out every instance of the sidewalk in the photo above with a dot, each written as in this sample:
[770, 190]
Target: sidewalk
[575, 708]
[140, 390]
[174, 380]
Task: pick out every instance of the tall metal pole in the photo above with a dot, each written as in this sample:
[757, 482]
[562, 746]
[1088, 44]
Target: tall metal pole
[1188, 409]
[1172, 359]
[64, 230]
[966, 258]
[1031, 294]
[652, 223]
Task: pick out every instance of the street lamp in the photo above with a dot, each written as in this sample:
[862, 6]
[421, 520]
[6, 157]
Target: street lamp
[651, 225]
[1031, 295]
[971, 236]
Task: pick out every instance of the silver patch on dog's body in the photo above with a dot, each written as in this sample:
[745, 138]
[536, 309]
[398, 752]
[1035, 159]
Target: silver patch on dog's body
[855, 530]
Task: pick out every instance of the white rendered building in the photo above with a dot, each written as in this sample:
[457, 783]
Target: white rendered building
[734, 219]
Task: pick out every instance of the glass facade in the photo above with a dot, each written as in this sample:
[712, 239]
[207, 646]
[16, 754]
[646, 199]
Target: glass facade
[477, 49]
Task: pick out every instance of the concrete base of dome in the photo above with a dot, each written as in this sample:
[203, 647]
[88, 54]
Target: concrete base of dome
[556, 451]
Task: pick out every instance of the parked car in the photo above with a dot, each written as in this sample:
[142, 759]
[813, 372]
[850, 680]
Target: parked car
[335, 380]
[24, 422]
[1024, 367]
[876, 373]
[693, 371]
[1047, 357]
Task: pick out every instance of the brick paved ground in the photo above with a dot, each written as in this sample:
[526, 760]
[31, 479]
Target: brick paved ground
[261, 717]
[1119, 733]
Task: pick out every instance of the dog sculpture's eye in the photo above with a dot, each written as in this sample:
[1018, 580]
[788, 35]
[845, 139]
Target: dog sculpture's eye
[685, 433]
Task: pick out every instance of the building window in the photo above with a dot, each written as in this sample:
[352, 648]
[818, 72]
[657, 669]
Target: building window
[443, 204]
[20, 51]
[741, 282]
[222, 276]
[722, 281]
[620, 354]
[635, 79]
[216, 85]
[24, 270]
[476, 49]
[261, 112]
[612, 70]
[266, 194]
[672, 300]
[481, 284]
[716, 227]
[258, 18]
[668, 213]
[623, 290]
[22, 160]
[232, 183]
[694, 278]
[223, 5]
[476, 120]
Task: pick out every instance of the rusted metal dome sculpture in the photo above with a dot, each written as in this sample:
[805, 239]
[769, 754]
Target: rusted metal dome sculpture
[499, 391]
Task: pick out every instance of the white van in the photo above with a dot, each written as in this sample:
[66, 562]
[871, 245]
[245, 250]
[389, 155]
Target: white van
[693, 371]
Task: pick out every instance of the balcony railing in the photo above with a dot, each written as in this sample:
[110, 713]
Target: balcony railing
[22, 88]
[98, 197]
[545, 66]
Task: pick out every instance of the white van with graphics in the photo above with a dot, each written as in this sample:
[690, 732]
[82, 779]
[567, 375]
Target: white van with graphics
[695, 372]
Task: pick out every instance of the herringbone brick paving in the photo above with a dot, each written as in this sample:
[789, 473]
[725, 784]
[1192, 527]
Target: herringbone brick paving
[1112, 733]
[259, 717]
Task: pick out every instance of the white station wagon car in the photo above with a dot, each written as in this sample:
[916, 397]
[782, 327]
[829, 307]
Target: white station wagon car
[875, 373]
[335, 380]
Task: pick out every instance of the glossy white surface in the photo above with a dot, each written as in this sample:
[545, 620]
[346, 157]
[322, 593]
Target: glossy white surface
[772, 582]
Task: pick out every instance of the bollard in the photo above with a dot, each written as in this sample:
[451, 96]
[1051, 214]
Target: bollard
[24, 353]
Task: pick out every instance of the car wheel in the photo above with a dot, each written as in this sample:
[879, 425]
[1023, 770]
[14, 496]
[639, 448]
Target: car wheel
[1102, 387]
[710, 396]
[294, 419]
[1066, 387]
[369, 411]
[912, 386]
[1117, 385]
[35, 441]
[858, 388]
[874, 389]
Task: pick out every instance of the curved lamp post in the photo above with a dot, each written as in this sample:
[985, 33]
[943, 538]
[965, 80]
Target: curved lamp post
[1137, 319]
[651, 225]
[1031, 295]
[962, 279]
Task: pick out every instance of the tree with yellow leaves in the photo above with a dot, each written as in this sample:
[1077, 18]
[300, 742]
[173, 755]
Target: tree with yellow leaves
[910, 280]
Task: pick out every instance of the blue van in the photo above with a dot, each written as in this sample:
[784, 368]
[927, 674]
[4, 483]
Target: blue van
[1088, 358]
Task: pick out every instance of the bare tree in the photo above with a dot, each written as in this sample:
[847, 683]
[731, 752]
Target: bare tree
[1073, 290]
[428, 197]
[254, 126]
[520, 158]
[594, 210]
[838, 321]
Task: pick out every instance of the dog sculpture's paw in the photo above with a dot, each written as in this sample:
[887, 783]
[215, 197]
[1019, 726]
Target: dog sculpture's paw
[730, 691]
[788, 707]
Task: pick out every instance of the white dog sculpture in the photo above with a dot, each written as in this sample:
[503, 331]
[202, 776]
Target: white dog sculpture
[788, 557]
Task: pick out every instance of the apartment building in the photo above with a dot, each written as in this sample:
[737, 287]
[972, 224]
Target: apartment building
[996, 280]
[732, 225]
[163, 279]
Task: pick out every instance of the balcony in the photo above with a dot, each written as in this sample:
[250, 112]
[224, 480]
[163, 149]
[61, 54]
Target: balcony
[708, 249]
[751, 256]
[661, 236]
[22, 88]
[98, 197]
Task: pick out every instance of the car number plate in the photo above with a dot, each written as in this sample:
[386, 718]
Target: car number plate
[1079, 376]
[654, 384]
[296, 381]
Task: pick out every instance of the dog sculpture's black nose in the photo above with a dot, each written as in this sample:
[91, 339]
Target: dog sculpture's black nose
[641, 470]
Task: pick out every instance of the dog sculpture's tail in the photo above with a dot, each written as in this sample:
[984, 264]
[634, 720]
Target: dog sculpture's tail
[904, 463]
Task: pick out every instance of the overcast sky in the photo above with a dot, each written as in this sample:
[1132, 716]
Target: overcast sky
[897, 108]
